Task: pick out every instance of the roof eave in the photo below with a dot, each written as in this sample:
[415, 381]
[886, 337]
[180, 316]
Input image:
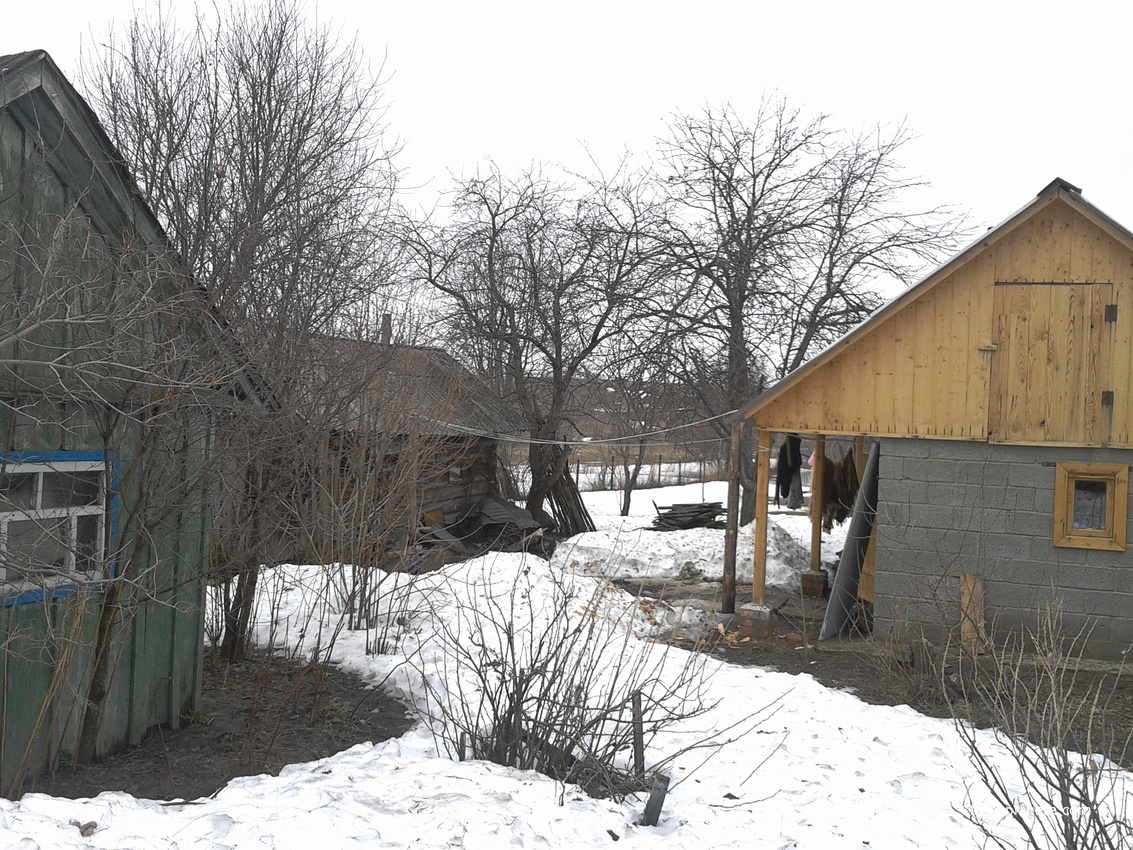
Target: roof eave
[1056, 190]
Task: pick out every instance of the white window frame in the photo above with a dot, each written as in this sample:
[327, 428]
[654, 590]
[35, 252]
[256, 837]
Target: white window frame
[16, 588]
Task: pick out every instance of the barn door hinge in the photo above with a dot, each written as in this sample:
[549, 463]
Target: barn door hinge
[1107, 398]
[1111, 312]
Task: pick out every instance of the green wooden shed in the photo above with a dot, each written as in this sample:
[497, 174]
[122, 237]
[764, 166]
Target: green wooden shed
[103, 423]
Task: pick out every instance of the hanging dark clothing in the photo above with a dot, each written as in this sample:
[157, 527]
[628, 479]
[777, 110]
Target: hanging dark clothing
[788, 466]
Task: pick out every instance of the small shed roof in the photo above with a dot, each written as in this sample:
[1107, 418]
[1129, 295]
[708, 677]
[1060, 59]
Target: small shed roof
[386, 385]
[999, 343]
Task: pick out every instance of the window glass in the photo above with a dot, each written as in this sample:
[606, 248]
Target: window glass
[34, 549]
[1089, 504]
[88, 542]
[17, 491]
[53, 523]
[70, 489]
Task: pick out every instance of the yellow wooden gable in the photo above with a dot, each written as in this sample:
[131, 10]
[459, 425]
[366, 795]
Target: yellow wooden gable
[1025, 337]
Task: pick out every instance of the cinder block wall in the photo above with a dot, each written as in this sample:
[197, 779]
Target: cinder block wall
[947, 508]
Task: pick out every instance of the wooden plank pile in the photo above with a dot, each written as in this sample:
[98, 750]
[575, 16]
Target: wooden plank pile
[676, 517]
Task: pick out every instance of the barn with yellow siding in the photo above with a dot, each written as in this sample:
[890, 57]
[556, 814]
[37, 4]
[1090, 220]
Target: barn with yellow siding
[1000, 390]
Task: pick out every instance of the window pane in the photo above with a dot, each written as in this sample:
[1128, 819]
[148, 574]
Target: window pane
[1089, 504]
[36, 548]
[87, 544]
[70, 489]
[17, 491]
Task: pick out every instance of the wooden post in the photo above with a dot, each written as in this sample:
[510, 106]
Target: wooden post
[638, 736]
[762, 482]
[732, 528]
[817, 501]
[972, 634]
[859, 455]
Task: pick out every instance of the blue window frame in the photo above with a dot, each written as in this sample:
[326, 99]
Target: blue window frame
[57, 513]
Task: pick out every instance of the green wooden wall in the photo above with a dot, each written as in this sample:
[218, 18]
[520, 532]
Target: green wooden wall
[61, 220]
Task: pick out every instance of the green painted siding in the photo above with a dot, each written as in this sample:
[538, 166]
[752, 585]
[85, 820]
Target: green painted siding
[63, 210]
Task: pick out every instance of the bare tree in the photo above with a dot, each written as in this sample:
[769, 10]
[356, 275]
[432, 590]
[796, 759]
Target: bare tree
[537, 283]
[779, 228]
[257, 140]
[642, 405]
[862, 238]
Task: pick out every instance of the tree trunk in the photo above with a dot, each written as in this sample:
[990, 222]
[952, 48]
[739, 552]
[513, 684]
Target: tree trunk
[631, 474]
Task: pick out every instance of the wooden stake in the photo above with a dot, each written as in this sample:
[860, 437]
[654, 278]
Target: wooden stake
[656, 800]
[972, 635]
[638, 736]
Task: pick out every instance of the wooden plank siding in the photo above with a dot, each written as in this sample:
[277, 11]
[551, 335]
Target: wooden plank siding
[64, 193]
[1007, 342]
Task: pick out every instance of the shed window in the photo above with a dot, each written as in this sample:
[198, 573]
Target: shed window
[1090, 505]
[54, 515]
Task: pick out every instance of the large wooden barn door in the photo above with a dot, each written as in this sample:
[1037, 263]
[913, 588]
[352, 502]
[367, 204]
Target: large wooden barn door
[1051, 366]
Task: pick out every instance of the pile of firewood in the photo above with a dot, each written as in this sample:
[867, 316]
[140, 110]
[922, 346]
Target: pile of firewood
[676, 517]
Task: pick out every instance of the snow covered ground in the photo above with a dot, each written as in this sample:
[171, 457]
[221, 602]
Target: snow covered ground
[796, 765]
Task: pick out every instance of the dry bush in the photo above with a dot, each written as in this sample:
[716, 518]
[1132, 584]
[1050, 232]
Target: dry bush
[1046, 770]
[559, 683]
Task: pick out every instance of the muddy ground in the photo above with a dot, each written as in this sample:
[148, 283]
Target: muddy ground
[256, 716]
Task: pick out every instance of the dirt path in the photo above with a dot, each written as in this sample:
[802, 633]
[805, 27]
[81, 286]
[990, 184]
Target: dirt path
[256, 717]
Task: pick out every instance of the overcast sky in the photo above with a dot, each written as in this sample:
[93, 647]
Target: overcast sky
[1003, 97]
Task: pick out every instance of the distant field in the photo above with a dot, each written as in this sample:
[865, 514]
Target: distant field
[595, 469]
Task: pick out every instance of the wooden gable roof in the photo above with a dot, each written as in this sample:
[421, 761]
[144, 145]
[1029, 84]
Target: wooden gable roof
[43, 110]
[1024, 337]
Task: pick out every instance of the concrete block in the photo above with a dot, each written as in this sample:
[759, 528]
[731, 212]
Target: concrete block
[982, 473]
[930, 516]
[940, 493]
[904, 447]
[890, 468]
[1027, 524]
[943, 471]
[1017, 454]
[1030, 475]
[895, 491]
[1020, 499]
[1106, 579]
[1001, 547]
[963, 450]
[892, 514]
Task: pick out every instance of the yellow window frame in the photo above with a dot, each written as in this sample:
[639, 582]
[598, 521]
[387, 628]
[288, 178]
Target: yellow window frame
[1115, 476]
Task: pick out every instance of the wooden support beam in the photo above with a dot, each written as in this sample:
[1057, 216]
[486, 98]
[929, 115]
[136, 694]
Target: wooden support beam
[732, 529]
[859, 455]
[817, 500]
[762, 484]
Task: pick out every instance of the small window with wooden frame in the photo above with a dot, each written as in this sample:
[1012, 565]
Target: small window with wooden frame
[1090, 501]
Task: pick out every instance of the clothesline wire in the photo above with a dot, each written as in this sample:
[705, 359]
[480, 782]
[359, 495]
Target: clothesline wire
[633, 438]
